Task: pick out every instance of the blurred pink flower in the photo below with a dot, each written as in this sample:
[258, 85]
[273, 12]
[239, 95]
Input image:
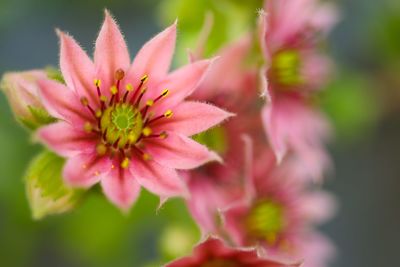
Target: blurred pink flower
[290, 32]
[127, 125]
[277, 214]
[232, 85]
[214, 253]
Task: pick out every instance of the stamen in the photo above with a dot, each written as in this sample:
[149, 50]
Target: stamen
[85, 102]
[142, 81]
[114, 90]
[164, 93]
[161, 135]
[142, 92]
[146, 157]
[147, 131]
[119, 74]
[125, 163]
[128, 88]
[97, 83]
[101, 149]
[168, 113]
[88, 127]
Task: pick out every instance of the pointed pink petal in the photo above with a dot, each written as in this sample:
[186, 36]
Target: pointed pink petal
[154, 58]
[318, 206]
[77, 68]
[111, 52]
[66, 141]
[61, 102]
[181, 83]
[85, 170]
[121, 188]
[162, 181]
[179, 152]
[273, 129]
[191, 118]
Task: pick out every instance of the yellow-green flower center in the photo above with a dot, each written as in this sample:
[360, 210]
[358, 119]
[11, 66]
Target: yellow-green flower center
[286, 68]
[121, 123]
[265, 221]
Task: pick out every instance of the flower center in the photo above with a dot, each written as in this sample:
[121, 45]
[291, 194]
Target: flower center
[121, 122]
[265, 221]
[286, 68]
[220, 263]
[124, 121]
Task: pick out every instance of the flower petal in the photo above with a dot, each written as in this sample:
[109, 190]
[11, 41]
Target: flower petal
[63, 103]
[121, 188]
[77, 68]
[66, 141]
[181, 83]
[179, 152]
[86, 169]
[160, 180]
[154, 58]
[190, 118]
[111, 52]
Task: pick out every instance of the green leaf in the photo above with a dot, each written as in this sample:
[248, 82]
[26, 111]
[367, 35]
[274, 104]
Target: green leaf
[47, 194]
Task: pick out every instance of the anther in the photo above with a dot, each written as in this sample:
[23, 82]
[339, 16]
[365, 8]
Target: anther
[144, 78]
[146, 131]
[88, 127]
[98, 113]
[149, 102]
[125, 163]
[101, 149]
[114, 90]
[146, 156]
[129, 87]
[103, 98]
[97, 82]
[84, 101]
[163, 135]
[119, 74]
[168, 114]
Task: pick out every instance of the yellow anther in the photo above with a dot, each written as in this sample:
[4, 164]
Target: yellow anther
[143, 90]
[163, 135]
[125, 163]
[147, 131]
[149, 102]
[144, 78]
[146, 156]
[103, 98]
[101, 149]
[129, 87]
[168, 113]
[165, 93]
[87, 127]
[98, 113]
[97, 82]
[114, 90]
[84, 101]
[119, 74]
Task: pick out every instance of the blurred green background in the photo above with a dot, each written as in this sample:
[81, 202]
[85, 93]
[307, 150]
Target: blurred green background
[363, 101]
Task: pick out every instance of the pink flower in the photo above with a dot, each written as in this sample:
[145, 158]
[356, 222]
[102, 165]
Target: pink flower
[232, 85]
[127, 125]
[290, 31]
[278, 214]
[214, 253]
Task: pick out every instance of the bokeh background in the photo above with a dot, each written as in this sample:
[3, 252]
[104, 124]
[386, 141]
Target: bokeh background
[363, 101]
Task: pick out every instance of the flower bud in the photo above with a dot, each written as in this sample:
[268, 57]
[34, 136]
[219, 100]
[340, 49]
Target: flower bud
[21, 89]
